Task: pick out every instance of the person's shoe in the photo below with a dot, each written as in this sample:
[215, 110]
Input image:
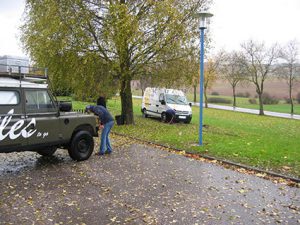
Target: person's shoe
[108, 152]
[99, 153]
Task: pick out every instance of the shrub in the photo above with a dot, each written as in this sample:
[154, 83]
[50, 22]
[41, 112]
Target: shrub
[252, 101]
[219, 100]
[298, 97]
[215, 93]
[267, 99]
[287, 100]
[243, 95]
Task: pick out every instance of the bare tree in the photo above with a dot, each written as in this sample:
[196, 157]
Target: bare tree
[290, 70]
[211, 72]
[210, 76]
[233, 71]
[258, 61]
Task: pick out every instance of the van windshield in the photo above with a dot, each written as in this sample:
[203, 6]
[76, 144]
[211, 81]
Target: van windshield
[176, 99]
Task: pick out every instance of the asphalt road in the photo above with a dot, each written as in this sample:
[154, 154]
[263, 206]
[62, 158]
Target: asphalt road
[138, 184]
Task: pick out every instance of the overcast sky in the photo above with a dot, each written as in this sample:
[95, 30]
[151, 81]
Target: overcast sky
[271, 21]
[234, 22]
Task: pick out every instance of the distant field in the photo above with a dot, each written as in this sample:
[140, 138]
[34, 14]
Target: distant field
[275, 87]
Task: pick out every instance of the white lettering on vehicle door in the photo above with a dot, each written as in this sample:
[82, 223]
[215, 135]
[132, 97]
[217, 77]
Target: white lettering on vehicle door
[13, 132]
[4, 123]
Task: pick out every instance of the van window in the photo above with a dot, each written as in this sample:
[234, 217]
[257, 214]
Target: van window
[176, 99]
[161, 97]
[9, 98]
[38, 101]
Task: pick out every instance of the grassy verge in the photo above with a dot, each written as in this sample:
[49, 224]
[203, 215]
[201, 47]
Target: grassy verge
[265, 142]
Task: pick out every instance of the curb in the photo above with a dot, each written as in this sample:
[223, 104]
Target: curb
[223, 161]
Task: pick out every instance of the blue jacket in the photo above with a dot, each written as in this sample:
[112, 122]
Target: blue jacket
[102, 112]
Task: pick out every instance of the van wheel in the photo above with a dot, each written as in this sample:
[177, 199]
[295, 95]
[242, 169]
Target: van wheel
[164, 117]
[47, 151]
[82, 146]
[188, 121]
[145, 113]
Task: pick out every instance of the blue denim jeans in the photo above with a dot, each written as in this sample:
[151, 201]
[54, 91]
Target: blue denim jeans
[105, 142]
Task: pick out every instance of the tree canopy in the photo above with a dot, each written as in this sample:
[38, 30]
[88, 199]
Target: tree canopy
[95, 42]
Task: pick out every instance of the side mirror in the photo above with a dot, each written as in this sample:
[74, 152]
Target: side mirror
[163, 102]
[65, 106]
[190, 104]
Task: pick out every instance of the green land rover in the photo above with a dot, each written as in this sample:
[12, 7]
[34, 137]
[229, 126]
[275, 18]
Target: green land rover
[32, 120]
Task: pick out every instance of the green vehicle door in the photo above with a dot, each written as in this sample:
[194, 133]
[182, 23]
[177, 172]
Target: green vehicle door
[42, 117]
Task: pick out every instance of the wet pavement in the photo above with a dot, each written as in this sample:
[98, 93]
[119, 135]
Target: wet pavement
[137, 184]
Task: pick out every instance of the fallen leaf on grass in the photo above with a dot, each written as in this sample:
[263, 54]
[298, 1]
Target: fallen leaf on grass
[286, 168]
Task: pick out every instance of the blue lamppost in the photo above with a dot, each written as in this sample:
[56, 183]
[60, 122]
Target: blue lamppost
[203, 16]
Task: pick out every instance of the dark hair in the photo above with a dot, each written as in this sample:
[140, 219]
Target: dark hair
[101, 101]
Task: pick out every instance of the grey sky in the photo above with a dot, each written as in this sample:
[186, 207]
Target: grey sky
[234, 22]
[10, 19]
[271, 21]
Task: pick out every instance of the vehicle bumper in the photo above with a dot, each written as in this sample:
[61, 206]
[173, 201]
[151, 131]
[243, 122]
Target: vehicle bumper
[185, 118]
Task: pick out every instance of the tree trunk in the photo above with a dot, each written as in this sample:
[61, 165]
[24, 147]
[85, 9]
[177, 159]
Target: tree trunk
[205, 100]
[195, 93]
[126, 101]
[261, 105]
[291, 97]
[234, 97]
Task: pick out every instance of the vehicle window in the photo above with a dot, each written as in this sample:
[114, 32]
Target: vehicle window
[161, 97]
[176, 99]
[9, 98]
[38, 101]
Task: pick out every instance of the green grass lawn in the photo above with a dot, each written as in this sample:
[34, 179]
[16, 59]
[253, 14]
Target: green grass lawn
[265, 142]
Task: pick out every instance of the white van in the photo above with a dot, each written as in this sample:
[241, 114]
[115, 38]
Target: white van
[156, 101]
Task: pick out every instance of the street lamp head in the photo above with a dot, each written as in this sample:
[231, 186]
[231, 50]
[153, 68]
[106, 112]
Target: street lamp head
[204, 17]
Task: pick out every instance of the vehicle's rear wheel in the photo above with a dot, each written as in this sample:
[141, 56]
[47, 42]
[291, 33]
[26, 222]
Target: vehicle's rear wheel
[82, 146]
[145, 113]
[164, 117]
[47, 151]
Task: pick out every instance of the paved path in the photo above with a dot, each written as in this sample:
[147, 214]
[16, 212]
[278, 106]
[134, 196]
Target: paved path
[253, 111]
[244, 110]
[139, 184]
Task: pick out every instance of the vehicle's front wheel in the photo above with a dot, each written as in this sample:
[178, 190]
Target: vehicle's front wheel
[164, 117]
[47, 151]
[145, 113]
[82, 146]
[188, 121]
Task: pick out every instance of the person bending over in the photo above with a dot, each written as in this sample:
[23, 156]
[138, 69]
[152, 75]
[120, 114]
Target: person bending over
[106, 123]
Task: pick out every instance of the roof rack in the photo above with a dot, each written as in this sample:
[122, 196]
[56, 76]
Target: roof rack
[28, 73]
